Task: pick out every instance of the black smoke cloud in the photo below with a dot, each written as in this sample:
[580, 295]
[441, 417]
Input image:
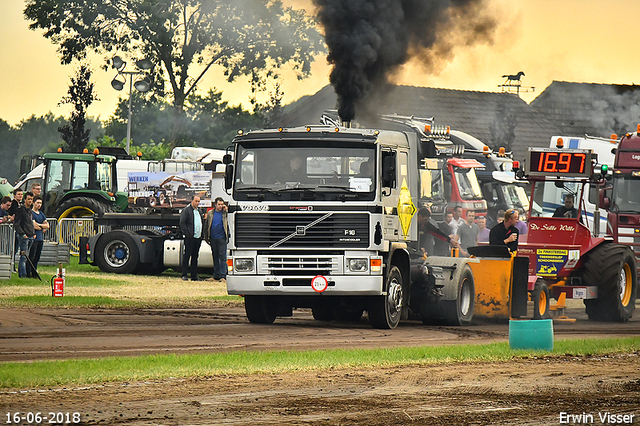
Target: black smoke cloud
[369, 39]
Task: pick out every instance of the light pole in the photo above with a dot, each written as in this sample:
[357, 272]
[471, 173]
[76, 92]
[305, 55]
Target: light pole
[140, 85]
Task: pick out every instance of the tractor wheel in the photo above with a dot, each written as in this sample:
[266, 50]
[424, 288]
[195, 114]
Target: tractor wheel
[460, 311]
[261, 309]
[385, 311]
[116, 252]
[540, 297]
[612, 268]
[82, 207]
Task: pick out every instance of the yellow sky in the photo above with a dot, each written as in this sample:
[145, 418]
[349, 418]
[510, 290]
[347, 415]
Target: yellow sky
[569, 40]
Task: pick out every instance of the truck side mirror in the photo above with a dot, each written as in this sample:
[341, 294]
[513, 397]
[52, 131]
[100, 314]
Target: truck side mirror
[604, 202]
[389, 169]
[226, 159]
[228, 176]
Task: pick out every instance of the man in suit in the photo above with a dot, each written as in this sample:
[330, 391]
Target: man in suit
[191, 227]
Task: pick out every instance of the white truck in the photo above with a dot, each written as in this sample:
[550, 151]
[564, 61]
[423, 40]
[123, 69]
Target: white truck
[324, 217]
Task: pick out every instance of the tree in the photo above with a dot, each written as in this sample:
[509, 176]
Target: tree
[187, 37]
[503, 128]
[80, 95]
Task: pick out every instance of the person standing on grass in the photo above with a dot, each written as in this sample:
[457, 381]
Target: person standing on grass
[40, 225]
[25, 232]
[191, 227]
[216, 234]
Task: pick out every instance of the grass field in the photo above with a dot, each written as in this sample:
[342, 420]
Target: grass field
[119, 369]
[87, 286]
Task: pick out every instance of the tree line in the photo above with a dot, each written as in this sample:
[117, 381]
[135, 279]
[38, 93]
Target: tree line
[183, 39]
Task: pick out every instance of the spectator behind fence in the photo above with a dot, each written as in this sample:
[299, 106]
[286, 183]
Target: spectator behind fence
[25, 232]
[40, 225]
[4, 209]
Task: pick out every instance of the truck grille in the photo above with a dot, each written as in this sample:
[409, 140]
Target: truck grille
[308, 266]
[292, 230]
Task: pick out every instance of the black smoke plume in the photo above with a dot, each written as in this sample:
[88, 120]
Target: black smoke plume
[369, 39]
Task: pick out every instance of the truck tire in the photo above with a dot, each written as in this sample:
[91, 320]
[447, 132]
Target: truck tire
[82, 207]
[612, 268]
[116, 252]
[385, 311]
[540, 297]
[460, 311]
[261, 309]
[322, 311]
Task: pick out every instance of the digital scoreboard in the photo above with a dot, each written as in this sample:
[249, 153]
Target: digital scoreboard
[560, 162]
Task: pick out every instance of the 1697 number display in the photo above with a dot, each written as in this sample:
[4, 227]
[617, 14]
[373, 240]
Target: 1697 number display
[548, 162]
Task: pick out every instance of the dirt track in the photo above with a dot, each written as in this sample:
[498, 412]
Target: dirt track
[530, 391]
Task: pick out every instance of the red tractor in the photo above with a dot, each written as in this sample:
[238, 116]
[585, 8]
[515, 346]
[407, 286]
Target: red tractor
[563, 255]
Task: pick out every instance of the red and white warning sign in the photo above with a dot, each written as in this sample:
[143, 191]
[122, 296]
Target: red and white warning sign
[319, 283]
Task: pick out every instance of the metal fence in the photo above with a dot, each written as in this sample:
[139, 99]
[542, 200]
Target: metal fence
[7, 239]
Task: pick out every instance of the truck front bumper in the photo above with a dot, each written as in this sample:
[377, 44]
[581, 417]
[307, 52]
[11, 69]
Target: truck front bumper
[363, 285]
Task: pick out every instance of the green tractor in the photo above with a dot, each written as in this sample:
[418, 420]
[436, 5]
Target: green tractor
[75, 185]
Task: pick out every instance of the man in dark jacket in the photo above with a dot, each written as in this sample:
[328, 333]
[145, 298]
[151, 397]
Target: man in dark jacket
[216, 234]
[191, 227]
[25, 232]
[506, 233]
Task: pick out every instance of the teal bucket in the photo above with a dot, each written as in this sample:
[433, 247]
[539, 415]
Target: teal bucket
[531, 334]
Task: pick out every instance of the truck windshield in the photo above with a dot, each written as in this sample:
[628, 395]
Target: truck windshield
[626, 194]
[322, 171]
[468, 184]
[515, 196]
[431, 185]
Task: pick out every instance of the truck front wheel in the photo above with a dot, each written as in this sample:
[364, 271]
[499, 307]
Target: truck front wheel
[261, 309]
[385, 311]
[116, 252]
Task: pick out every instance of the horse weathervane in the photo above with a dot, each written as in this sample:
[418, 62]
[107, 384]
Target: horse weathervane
[513, 84]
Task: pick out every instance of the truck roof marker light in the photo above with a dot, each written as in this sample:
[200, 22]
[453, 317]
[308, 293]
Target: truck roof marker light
[427, 128]
[139, 154]
[516, 165]
[614, 138]
[638, 128]
[560, 143]
[501, 151]
[308, 128]
[337, 129]
[635, 173]
[376, 132]
[240, 132]
[96, 151]
[85, 151]
[448, 129]
[281, 129]
[59, 149]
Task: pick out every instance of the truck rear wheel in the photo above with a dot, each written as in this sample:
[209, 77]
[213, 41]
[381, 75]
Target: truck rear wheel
[540, 297]
[116, 252]
[261, 309]
[611, 267]
[385, 311]
[81, 207]
[460, 311]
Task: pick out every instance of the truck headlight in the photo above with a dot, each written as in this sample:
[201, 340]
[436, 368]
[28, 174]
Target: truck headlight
[243, 265]
[358, 265]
